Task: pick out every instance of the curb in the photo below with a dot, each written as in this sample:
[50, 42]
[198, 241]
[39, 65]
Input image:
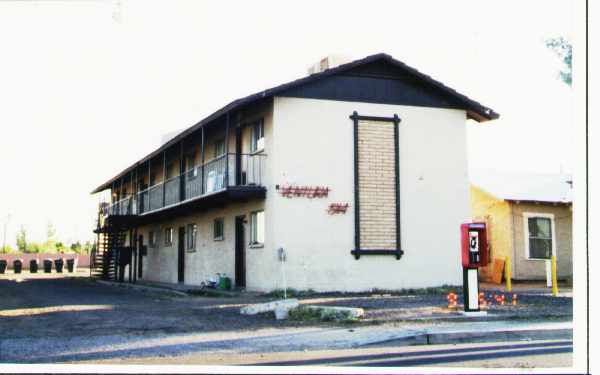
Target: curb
[477, 336]
[142, 288]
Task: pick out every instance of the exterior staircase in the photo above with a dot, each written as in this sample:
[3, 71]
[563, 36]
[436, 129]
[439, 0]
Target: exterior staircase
[104, 260]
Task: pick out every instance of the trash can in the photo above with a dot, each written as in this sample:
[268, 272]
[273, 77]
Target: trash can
[17, 265]
[3, 264]
[58, 265]
[224, 283]
[33, 266]
[71, 264]
[47, 265]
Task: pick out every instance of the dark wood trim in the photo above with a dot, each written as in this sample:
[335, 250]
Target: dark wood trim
[355, 119]
[397, 185]
[357, 252]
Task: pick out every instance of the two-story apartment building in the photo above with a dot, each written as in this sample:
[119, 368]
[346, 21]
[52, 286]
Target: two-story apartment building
[358, 172]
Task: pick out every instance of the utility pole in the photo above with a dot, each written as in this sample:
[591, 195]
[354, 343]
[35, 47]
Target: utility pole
[5, 226]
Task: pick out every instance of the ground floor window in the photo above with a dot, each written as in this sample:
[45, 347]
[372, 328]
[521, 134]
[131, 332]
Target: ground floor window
[219, 229]
[539, 233]
[257, 228]
[152, 239]
[190, 234]
[168, 236]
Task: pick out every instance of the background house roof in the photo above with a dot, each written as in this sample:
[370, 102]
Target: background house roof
[514, 186]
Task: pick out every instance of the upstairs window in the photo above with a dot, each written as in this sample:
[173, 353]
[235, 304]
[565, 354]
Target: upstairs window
[257, 140]
[168, 236]
[257, 228]
[219, 147]
[219, 229]
[539, 241]
[191, 234]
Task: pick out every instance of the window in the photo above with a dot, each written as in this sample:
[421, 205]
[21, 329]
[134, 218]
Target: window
[540, 237]
[168, 236]
[219, 148]
[257, 141]
[152, 239]
[192, 172]
[219, 229]
[257, 228]
[190, 237]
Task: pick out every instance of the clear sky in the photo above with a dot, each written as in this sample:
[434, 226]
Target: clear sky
[89, 87]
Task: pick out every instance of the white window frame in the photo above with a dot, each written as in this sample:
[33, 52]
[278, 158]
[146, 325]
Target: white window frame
[191, 235]
[257, 146]
[526, 217]
[169, 234]
[222, 236]
[253, 225]
[152, 239]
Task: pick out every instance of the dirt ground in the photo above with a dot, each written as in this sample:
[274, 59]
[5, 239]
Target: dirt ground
[39, 313]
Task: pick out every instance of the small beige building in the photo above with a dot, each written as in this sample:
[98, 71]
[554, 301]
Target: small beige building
[529, 218]
[351, 178]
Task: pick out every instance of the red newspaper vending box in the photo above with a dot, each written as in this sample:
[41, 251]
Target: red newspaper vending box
[474, 245]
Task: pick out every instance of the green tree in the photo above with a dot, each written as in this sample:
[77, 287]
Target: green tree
[6, 249]
[60, 247]
[22, 239]
[563, 48]
[76, 247]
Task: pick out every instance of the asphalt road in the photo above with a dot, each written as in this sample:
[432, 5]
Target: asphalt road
[533, 354]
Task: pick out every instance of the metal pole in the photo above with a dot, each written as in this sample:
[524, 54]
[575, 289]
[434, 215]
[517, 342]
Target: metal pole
[228, 120]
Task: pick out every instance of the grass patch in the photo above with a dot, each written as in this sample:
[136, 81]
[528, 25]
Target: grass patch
[291, 293]
[302, 314]
[305, 314]
[437, 290]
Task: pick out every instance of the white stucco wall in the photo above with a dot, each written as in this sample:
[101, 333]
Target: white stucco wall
[313, 145]
[210, 256]
[310, 142]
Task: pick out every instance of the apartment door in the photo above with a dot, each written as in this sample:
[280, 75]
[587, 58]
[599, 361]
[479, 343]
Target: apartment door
[181, 255]
[240, 252]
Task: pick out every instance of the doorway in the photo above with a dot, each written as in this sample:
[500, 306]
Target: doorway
[181, 255]
[240, 252]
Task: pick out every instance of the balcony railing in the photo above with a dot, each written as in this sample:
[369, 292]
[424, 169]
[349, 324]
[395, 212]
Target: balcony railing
[211, 177]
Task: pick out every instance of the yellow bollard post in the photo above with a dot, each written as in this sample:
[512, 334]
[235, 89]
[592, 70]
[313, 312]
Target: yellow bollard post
[554, 281]
[508, 274]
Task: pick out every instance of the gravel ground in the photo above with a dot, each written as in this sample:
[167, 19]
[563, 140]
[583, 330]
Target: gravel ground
[65, 319]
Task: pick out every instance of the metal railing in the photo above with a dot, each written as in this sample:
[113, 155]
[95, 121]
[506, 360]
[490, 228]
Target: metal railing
[211, 177]
[125, 206]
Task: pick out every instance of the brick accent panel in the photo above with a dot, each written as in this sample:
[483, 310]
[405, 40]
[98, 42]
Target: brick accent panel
[377, 190]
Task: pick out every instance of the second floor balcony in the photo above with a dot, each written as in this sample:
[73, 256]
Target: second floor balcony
[242, 172]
